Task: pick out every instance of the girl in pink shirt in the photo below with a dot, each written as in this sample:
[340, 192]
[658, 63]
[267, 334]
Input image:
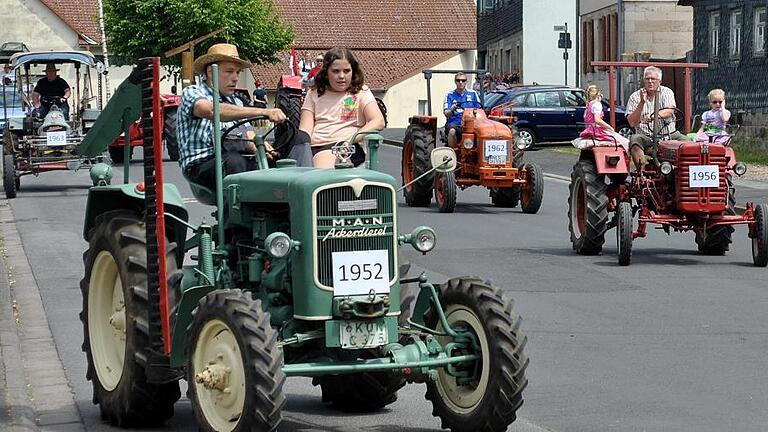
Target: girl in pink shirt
[597, 129]
[337, 106]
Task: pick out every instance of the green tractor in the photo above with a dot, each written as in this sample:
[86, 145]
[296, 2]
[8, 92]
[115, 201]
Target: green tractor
[299, 276]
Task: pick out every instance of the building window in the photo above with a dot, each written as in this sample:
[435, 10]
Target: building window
[735, 45]
[602, 41]
[759, 30]
[714, 35]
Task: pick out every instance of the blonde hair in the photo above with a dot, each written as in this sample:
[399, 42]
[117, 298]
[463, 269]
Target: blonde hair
[716, 92]
[592, 92]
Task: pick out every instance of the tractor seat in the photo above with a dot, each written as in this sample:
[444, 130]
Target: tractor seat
[201, 193]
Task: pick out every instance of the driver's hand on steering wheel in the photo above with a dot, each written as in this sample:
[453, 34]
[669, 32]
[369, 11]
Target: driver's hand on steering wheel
[276, 115]
[271, 153]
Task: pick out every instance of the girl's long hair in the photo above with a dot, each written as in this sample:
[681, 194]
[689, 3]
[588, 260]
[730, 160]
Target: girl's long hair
[321, 80]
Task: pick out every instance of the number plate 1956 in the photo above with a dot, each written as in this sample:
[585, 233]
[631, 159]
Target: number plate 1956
[363, 334]
[703, 176]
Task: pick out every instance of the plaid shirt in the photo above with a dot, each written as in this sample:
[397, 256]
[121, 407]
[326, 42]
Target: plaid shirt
[666, 100]
[195, 134]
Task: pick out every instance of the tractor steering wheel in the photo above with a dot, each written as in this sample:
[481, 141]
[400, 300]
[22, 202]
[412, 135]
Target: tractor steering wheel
[292, 128]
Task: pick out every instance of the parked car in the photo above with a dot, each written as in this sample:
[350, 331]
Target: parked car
[550, 112]
[12, 108]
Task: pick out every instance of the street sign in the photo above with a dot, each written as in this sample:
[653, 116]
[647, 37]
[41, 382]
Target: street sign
[559, 28]
[565, 41]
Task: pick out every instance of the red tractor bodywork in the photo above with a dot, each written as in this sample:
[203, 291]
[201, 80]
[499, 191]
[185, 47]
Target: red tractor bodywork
[167, 101]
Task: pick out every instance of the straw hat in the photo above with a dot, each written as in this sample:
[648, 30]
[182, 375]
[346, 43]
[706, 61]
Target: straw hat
[219, 53]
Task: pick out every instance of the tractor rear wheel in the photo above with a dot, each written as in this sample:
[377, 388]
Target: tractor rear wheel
[489, 399]
[234, 365]
[760, 241]
[290, 103]
[532, 193]
[169, 133]
[417, 147]
[117, 154]
[717, 242]
[624, 233]
[587, 209]
[445, 192]
[9, 176]
[115, 323]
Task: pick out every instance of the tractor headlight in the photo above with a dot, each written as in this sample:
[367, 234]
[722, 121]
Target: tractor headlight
[740, 168]
[423, 239]
[666, 168]
[468, 144]
[279, 245]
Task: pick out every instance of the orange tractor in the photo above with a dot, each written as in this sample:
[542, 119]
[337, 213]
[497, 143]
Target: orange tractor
[489, 154]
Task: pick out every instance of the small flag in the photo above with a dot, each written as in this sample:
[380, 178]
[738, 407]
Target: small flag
[292, 63]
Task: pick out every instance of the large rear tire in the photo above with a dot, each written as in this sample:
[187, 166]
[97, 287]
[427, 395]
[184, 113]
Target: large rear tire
[587, 209]
[288, 101]
[624, 233]
[489, 400]
[717, 242]
[9, 176]
[445, 192]
[532, 193]
[234, 364]
[417, 147]
[169, 134]
[760, 241]
[115, 323]
[117, 154]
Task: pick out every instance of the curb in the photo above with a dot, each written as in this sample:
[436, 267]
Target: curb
[37, 392]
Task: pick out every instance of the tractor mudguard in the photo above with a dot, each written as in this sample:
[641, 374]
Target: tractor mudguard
[190, 297]
[291, 82]
[102, 199]
[611, 160]
[429, 122]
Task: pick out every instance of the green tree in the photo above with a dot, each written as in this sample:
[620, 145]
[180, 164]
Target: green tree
[143, 28]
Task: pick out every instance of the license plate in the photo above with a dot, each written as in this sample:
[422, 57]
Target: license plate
[363, 334]
[703, 176]
[360, 272]
[56, 138]
[496, 151]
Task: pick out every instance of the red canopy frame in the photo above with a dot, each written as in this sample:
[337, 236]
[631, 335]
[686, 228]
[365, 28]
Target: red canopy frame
[687, 72]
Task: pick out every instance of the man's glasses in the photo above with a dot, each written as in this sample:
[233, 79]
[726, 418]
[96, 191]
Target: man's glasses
[716, 102]
[461, 80]
[651, 79]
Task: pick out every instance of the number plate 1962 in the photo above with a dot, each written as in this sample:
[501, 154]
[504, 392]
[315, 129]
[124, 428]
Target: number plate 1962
[362, 334]
[703, 176]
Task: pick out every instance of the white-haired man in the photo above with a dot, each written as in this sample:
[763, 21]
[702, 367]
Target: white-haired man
[640, 109]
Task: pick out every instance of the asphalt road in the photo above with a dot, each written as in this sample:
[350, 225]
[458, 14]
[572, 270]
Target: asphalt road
[675, 342]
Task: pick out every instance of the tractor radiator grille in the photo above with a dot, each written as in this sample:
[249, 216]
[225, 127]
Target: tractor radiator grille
[709, 200]
[332, 219]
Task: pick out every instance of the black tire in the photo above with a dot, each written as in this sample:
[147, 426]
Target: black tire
[169, 133]
[290, 103]
[117, 253]
[417, 147]
[445, 192]
[18, 183]
[117, 154]
[528, 136]
[717, 242]
[508, 197]
[9, 176]
[533, 193]
[257, 360]
[587, 209]
[490, 401]
[624, 233]
[760, 241]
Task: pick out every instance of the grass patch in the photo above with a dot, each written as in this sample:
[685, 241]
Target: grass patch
[564, 149]
[750, 150]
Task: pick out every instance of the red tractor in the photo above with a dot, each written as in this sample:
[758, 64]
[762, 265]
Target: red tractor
[489, 154]
[687, 186]
[169, 104]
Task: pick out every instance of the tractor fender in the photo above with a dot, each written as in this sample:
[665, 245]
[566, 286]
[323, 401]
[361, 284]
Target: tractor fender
[428, 122]
[611, 160]
[291, 82]
[190, 297]
[730, 156]
[102, 199]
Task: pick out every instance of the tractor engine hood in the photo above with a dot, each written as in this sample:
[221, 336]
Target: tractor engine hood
[489, 129]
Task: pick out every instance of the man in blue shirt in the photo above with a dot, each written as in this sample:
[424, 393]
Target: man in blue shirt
[454, 105]
[195, 119]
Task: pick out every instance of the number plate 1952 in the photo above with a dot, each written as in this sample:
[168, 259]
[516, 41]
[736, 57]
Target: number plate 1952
[362, 334]
[703, 176]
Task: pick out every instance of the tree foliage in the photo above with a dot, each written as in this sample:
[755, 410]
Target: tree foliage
[143, 28]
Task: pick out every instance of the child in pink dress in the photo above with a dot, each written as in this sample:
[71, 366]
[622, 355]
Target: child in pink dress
[597, 129]
[715, 121]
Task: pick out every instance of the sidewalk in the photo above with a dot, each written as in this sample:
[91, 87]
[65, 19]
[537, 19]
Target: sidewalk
[35, 393]
[559, 165]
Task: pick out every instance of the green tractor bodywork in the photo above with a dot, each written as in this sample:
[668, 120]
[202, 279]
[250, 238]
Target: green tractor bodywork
[316, 253]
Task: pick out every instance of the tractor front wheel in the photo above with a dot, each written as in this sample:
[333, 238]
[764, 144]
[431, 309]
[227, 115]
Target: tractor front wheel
[624, 233]
[417, 147]
[587, 209]
[445, 192]
[9, 176]
[115, 322]
[760, 240]
[234, 365]
[533, 192]
[717, 242]
[487, 400]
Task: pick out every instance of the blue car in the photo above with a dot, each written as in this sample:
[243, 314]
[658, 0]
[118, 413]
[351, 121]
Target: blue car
[550, 113]
[11, 109]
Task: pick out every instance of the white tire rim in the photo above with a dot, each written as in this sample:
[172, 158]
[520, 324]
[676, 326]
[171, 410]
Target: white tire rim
[106, 320]
[221, 400]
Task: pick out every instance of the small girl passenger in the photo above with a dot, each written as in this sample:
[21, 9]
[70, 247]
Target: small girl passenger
[597, 129]
[714, 121]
